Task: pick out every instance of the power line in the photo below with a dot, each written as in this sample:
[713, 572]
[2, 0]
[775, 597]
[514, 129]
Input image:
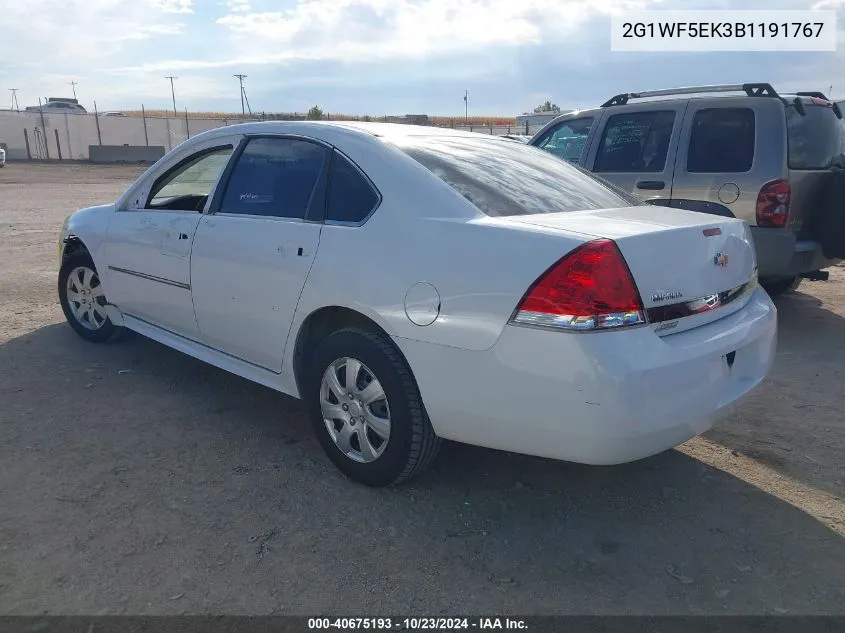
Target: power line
[173, 93]
[241, 78]
[15, 105]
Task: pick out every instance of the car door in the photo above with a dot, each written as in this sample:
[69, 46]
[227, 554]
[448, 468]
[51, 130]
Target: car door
[716, 154]
[252, 253]
[149, 244]
[637, 146]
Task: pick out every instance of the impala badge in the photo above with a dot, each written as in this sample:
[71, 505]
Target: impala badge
[720, 259]
[665, 296]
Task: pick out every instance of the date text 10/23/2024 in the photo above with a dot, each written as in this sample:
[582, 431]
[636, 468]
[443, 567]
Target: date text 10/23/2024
[419, 623]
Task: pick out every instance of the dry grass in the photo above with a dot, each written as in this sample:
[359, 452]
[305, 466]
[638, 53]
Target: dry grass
[435, 120]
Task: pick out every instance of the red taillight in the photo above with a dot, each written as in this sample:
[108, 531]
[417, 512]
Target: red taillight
[773, 204]
[589, 289]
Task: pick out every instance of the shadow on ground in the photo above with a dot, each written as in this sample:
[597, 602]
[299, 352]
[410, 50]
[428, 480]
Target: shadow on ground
[794, 422]
[134, 479]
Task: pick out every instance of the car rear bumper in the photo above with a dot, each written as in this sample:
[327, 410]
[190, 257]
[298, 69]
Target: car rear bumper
[781, 254]
[595, 398]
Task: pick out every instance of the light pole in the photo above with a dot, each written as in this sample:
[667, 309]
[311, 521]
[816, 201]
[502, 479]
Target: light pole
[240, 79]
[173, 93]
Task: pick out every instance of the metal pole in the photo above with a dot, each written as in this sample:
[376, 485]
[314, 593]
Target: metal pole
[144, 116]
[26, 141]
[74, 85]
[44, 128]
[173, 94]
[67, 135]
[187, 129]
[97, 121]
[240, 79]
[58, 144]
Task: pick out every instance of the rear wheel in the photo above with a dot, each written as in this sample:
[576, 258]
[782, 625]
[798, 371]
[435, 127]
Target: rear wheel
[83, 300]
[366, 409]
[776, 287]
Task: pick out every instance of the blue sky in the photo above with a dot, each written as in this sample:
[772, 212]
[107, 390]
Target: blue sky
[367, 56]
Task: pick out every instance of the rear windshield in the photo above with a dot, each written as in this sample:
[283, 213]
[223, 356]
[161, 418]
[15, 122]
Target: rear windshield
[815, 138]
[503, 178]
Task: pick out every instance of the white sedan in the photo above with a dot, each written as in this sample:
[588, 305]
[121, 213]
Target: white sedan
[412, 284]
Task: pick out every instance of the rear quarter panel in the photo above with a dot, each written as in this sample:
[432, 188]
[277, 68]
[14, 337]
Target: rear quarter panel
[424, 232]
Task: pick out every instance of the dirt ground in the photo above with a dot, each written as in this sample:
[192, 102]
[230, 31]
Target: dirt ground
[136, 480]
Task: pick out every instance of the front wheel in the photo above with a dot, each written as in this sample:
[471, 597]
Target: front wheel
[83, 300]
[366, 409]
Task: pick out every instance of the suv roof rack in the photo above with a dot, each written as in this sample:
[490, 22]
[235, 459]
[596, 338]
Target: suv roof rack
[752, 90]
[820, 95]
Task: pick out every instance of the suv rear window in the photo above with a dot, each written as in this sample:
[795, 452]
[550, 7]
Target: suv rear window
[503, 178]
[815, 138]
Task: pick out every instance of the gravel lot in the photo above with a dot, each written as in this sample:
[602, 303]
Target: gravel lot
[136, 480]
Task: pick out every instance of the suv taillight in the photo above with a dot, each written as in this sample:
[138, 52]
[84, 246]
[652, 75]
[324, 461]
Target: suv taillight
[773, 204]
[591, 288]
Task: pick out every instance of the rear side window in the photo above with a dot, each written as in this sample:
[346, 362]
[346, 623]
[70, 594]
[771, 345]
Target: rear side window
[274, 177]
[815, 137]
[568, 139]
[502, 178]
[351, 196]
[635, 142]
[721, 141]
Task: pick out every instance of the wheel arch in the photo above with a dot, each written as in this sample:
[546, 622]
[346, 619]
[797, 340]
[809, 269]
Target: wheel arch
[323, 321]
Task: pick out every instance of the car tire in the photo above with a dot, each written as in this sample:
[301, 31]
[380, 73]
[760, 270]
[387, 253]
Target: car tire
[84, 316]
[777, 287]
[356, 449]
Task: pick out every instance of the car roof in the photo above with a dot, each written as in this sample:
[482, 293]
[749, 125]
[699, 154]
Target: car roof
[360, 129]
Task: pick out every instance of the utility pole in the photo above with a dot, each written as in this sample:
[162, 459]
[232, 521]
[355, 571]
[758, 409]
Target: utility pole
[466, 106]
[173, 93]
[15, 105]
[240, 79]
[73, 85]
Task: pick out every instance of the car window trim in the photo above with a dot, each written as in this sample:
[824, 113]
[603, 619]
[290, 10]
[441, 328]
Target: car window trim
[692, 131]
[188, 159]
[316, 205]
[379, 197]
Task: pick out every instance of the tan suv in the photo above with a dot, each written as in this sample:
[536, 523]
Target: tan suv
[741, 151]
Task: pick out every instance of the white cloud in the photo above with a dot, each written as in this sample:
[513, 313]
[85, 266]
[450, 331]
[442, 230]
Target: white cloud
[385, 29]
[174, 6]
[239, 6]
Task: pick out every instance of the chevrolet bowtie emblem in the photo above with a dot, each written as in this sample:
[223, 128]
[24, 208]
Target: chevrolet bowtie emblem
[720, 259]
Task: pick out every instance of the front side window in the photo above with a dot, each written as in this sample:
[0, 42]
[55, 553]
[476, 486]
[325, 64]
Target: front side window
[186, 187]
[568, 139]
[502, 178]
[274, 177]
[635, 142]
[351, 197]
[721, 141]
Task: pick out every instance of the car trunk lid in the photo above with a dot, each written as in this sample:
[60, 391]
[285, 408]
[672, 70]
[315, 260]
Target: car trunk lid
[690, 268]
